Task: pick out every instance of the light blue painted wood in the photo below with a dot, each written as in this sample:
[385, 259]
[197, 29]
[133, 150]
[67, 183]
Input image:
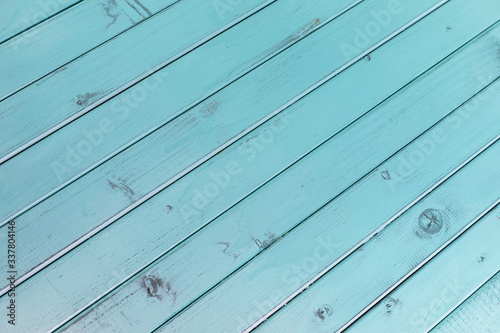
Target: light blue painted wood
[217, 218]
[78, 202]
[96, 209]
[106, 71]
[130, 301]
[61, 155]
[49, 46]
[42, 277]
[441, 285]
[20, 15]
[480, 313]
[377, 266]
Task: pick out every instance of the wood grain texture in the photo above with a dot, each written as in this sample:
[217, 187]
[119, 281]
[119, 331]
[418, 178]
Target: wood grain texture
[394, 253]
[49, 46]
[18, 16]
[303, 196]
[442, 284]
[127, 121]
[223, 235]
[78, 86]
[480, 312]
[173, 152]
[250, 165]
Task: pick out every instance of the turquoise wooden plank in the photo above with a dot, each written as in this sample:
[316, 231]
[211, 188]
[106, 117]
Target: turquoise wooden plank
[93, 78]
[84, 197]
[107, 281]
[381, 263]
[157, 146]
[230, 249]
[57, 41]
[441, 285]
[18, 16]
[219, 246]
[479, 313]
[56, 154]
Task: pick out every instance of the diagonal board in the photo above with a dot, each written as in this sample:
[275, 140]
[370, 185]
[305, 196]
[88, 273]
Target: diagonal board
[442, 284]
[115, 125]
[219, 245]
[61, 154]
[18, 16]
[347, 289]
[392, 254]
[479, 313]
[104, 192]
[80, 85]
[122, 268]
[50, 45]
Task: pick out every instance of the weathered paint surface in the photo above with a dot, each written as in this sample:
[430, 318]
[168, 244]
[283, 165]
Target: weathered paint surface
[250, 165]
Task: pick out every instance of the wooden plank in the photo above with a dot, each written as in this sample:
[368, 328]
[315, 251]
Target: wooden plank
[166, 98]
[18, 16]
[54, 43]
[269, 88]
[51, 212]
[479, 313]
[224, 240]
[129, 301]
[441, 285]
[374, 269]
[117, 253]
[77, 87]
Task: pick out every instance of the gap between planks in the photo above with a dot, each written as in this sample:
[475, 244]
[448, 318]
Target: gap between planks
[116, 92]
[374, 233]
[29, 27]
[423, 263]
[463, 301]
[195, 165]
